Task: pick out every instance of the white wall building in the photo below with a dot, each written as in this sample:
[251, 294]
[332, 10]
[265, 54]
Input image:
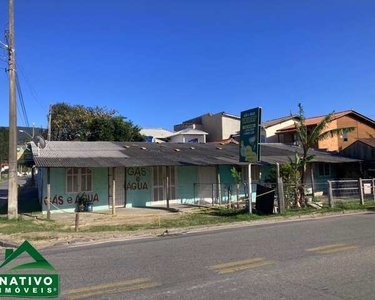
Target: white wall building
[219, 126]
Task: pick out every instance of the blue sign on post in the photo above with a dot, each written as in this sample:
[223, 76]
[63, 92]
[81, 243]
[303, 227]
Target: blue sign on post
[250, 135]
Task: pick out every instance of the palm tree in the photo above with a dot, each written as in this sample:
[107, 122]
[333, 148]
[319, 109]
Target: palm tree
[308, 140]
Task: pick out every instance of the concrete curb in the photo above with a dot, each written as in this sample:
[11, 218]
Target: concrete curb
[173, 232]
[6, 244]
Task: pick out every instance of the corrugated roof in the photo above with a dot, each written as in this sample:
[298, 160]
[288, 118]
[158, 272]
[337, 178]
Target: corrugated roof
[368, 141]
[115, 154]
[273, 153]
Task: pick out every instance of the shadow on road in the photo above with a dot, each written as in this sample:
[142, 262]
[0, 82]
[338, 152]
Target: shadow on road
[27, 198]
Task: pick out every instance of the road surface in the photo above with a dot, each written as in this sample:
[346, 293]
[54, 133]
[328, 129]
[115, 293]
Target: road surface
[330, 258]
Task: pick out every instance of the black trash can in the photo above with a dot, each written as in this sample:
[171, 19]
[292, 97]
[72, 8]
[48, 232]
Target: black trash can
[265, 200]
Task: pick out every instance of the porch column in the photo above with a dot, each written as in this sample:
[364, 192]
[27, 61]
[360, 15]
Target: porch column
[218, 184]
[48, 193]
[167, 171]
[113, 191]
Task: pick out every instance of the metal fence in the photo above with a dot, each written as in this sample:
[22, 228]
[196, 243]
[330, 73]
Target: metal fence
[313, 192]
[329, 192]
[351, 190]
[217, 194]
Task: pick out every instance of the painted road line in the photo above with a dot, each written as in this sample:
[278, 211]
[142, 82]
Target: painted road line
[241, 265]
[111, 288]
[334, 248]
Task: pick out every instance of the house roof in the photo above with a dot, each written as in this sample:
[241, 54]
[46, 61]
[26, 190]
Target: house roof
[272, 153]
[188, 131]
[198, 120]
[158, 133]
[116, 154]
[368, 141]
[315, 120]
[273, 122]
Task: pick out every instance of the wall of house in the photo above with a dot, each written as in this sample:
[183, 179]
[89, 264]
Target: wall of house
[62, 201]
[213, 125]
[219, 126]
[330, 143]
[287, 138]
[362, 130]
[138, 186]
[186, 177]
[230, 126]
[320, 181]
[271, 136]
[227, 185]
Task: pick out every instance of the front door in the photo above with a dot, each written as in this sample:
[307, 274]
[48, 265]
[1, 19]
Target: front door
[160, 176]
[119, 186]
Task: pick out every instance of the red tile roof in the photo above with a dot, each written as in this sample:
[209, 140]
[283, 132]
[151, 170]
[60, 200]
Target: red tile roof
[315, 120]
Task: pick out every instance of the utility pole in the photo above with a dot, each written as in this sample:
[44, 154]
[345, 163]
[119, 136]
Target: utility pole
[12, 191]
[49, 122]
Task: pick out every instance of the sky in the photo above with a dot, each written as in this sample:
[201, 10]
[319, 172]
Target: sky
[159, 63]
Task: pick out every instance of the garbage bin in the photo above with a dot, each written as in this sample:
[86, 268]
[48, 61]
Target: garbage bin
[265, 199]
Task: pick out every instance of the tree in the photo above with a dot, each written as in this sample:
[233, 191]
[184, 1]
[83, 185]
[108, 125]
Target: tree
[81, 123]
[4, 144]
[291, 177]
[237, 180]
[309, 139]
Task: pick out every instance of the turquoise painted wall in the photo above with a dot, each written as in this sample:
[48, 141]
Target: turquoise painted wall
[321, 181]
[62, 200]
[186, 177]
[227, 182]
[138, 186]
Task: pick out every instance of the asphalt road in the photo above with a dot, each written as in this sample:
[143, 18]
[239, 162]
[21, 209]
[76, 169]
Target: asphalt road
[330, 258]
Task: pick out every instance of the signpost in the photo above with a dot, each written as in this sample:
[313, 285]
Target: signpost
[249, 142]
[250, 135]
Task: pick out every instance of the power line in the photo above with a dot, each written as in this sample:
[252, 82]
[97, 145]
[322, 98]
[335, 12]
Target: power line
[22, 103]
[33, 92]
[22, 116]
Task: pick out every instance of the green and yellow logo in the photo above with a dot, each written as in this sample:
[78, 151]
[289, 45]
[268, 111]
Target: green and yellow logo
[28, 285]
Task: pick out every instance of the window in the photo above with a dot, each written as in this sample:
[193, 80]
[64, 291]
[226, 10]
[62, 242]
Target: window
[324, 169]
[78, 180]
[345, 136]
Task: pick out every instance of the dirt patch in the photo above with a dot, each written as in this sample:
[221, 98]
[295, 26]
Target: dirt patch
[62, 230]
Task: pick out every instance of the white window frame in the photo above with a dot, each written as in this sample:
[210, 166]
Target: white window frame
[78, 178]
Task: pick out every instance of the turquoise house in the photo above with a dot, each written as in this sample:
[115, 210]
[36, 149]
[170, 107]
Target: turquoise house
[127, 174]
[137, 174]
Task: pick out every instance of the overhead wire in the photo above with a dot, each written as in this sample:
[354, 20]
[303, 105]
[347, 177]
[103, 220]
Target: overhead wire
[33, 92]
[21, 102]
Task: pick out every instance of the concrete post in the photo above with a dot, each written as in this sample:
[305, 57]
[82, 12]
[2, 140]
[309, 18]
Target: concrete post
[361, 197]
[48, 193]
[330, 194]
[113, 191]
